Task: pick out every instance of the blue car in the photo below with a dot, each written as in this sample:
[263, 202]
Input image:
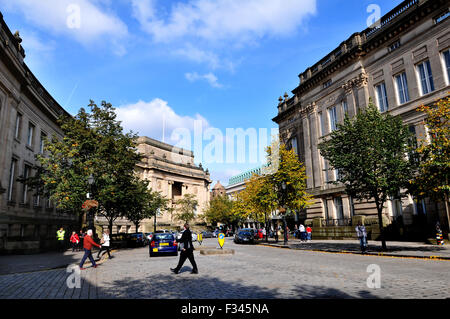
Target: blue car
[163, 243]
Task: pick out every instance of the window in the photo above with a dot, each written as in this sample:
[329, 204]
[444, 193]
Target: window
[442, 17]
[446, 58]
[426, 77]
[294, 145]
[18, 126]
[327, 84]
[394, 46]
[30, 134]
[12, 177]
[321, 127]
[26, 175]
[42, 142]
[382, 99]
[339, 208]
[402, 88]
[332, 114]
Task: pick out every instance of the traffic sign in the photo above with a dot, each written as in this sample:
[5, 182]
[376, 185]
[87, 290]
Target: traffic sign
[221, 239]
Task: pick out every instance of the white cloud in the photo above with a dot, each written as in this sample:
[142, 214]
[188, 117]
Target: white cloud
[220, 20]
[91, 25]
[152, 118]
[209, 77]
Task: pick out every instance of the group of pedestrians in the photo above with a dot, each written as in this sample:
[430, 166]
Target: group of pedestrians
[86, 241]
[303, 233]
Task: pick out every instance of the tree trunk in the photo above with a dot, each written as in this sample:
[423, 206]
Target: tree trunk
[448, 214]
[380, 222]
[137, 226]
[110, 225]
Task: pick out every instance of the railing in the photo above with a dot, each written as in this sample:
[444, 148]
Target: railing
[337, 222]
[389, 17]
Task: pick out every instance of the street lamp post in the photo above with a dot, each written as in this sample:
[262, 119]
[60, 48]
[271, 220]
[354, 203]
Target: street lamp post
[284, 187]
[91, 181]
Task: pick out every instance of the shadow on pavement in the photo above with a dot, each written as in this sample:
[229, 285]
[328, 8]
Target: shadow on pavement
[320, 292]
[372, 248]
[205, 287]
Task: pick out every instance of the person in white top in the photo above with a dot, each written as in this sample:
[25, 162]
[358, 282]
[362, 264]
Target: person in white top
[302, 232]
[105, 241]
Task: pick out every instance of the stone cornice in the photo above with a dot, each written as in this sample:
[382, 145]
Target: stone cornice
[12, 54]
[399, 20]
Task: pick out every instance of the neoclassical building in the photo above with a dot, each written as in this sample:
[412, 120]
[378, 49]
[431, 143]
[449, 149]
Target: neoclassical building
[401, 63]
[171, 171]
[28, 114]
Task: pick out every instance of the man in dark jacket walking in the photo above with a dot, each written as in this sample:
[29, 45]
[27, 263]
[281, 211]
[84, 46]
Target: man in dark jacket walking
[187, 251]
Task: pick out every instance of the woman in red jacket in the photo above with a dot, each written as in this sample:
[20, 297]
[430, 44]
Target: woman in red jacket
[88, 242]
[74, 239]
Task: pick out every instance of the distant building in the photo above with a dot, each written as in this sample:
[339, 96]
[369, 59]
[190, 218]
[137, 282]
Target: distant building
[28, 114]
[218, 190]
[402, 63]
[171, 171]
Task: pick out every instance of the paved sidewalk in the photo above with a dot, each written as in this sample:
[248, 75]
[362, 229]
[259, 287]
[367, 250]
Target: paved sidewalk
[395, 248]
[13, 264]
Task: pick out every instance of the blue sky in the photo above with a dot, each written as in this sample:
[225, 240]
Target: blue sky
[165, 64]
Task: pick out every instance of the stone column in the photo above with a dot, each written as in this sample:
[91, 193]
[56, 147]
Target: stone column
[307, 141]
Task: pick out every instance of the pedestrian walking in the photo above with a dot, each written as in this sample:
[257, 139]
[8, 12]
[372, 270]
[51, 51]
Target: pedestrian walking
[308, 233]
[81, 235]
[439, 235]
[105, 241]
[60, 236]
[187, 251]
[75, 241]
[362, 236]
[302, 232]
[88, 242]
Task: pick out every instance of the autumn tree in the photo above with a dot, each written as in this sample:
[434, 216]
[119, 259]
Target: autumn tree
[220, 210]
[433, 175]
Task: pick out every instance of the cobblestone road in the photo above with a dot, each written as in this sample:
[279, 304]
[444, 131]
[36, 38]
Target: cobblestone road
[253, 272]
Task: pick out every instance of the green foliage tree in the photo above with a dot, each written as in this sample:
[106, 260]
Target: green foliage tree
[370, 152]
[143, 203]
[186, 207]
[433, 175]
[220, 210]
[93, 144]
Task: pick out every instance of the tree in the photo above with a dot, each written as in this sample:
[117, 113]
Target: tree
[93, 144]
[370, 154]
[291, 174]
[433, 175]
[187, 206]
[143, 203]
[219, 210]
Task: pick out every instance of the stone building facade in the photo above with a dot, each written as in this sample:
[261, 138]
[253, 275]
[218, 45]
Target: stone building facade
[28, 114]
[171, 171]
[401, 63]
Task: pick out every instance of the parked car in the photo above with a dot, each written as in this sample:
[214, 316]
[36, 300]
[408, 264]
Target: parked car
[136, 240]
[119, 240]
[245, 236]
[194, 236]
[207, 234]
[163, 243]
